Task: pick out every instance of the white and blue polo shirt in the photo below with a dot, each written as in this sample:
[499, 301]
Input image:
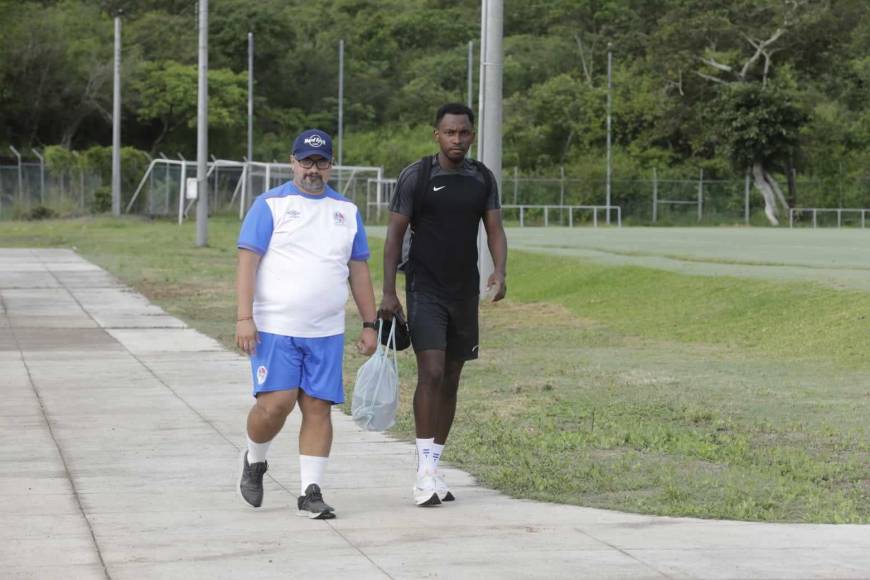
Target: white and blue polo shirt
[306, 242]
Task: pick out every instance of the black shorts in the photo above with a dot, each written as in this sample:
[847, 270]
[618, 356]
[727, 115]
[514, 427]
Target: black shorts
[443, 324]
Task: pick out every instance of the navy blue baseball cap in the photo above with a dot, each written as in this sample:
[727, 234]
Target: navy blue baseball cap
[312, 142]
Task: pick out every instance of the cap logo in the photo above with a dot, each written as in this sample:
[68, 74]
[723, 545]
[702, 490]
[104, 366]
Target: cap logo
[315, 141]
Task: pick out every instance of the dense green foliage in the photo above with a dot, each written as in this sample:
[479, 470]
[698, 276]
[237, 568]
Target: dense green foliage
[714, 84]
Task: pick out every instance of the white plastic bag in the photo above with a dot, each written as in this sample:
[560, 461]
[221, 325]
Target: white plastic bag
[376, 392]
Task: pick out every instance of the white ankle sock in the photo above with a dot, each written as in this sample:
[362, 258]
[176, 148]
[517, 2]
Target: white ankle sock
[257, 451]
[311, 470]
[437, 451]
[424, 455]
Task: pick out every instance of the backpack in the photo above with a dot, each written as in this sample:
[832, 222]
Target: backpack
[420, 189]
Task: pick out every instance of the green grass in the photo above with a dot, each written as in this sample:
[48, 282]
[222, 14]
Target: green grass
[606, 386]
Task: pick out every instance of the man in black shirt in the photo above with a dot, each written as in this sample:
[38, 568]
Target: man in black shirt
[442, 282]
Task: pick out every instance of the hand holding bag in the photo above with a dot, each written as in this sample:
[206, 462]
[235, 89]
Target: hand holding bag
[376, 392]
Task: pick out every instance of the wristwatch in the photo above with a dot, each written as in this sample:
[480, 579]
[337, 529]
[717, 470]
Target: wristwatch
[372, 325]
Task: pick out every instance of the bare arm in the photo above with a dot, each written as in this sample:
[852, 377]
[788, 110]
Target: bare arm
[496, 239]
[246, 278]
[364, 296]
[392, 254]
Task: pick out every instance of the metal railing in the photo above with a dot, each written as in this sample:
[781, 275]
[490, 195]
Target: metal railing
[167, 185]
[570, 209]
[815, 211]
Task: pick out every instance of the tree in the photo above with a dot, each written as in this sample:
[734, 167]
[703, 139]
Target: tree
[760, 127]
[166, 93]
[734, 45]
[56, 71]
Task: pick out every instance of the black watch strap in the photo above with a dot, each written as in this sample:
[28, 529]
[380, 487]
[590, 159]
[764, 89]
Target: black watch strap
[372, 325]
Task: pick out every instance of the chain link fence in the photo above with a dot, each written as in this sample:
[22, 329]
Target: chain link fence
[65, 192]
[677, 201]
[63, 183]
[164, 189]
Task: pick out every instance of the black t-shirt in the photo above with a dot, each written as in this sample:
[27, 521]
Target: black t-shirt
[443, 257]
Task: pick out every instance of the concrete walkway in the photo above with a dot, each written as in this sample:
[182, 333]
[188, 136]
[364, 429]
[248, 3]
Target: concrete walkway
[120, 429]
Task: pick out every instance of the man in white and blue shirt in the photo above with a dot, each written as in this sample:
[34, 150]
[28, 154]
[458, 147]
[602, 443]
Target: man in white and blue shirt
[299, 245]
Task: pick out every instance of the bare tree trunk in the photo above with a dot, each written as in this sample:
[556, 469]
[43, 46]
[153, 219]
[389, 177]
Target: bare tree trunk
[587, 68]
[71, 129]
[761, 184]
[792, 183]
[774, 185]
[163, 131]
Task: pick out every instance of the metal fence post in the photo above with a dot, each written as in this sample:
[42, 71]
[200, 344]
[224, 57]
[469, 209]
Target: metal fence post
[655, 205]
[746, 198]
[75, 154]
[20, 180]
[700, 195]
[216, 176]
[182, 178]
[41, 176]
[516, 181]
[166, 179]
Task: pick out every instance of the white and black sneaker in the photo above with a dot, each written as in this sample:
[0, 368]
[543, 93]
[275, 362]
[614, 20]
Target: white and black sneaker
[425, 492]
[441, 488]
[311, 505]
[251, 481]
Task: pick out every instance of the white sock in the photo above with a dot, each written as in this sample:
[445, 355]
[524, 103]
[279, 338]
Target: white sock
[257, 451]
[424, 455]
[311, 470]
[437, 451]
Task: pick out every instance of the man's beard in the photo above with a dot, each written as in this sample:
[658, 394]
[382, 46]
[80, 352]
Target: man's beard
[313, 183]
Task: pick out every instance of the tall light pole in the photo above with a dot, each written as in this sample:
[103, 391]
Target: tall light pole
[481, 81]
[250, 112]
[609, 105]
[202, 130]
[340, 107]
[469, 101]
[340, 101]
[116, 123]
[489, 130]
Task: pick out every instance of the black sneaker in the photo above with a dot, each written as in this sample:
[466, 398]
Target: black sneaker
[251, 482]
[311, 505]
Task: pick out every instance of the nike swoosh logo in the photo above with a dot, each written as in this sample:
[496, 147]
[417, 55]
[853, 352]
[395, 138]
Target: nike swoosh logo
[438, 188]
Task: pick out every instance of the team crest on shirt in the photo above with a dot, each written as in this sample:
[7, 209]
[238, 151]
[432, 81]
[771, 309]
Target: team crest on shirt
[262, 373]
[293, 214]
[339, 218]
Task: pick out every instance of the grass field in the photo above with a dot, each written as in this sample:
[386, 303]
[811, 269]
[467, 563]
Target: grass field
[607, 383]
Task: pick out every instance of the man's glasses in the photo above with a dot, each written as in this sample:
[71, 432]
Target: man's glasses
[309, 163]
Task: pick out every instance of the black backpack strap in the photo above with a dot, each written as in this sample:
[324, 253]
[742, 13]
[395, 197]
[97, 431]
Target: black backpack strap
[487, 174]
[421, 186]
[418, 195]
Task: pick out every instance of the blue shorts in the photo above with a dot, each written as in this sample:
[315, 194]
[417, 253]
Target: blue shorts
[283, 363]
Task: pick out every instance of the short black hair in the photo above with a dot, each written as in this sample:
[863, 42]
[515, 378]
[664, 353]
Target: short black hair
[454, 109]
